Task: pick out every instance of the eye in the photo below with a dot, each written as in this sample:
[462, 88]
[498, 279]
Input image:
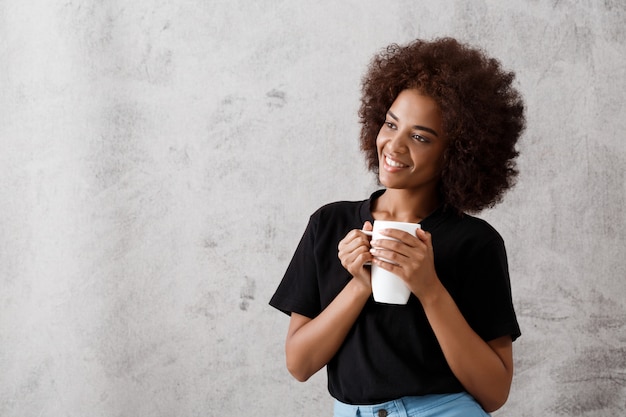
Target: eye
[390, 125]
[421, 138]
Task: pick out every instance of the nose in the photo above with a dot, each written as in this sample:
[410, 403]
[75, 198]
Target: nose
[396, 142]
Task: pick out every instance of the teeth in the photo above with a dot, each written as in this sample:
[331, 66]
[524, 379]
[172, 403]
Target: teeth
[393, 163]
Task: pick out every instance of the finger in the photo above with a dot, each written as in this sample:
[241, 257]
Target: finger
[353, 236]
[352, 247]
[389, 266]
[388, 256]
[395, 246]
[357, 258]
[424, 237]
[363, 258]
[400, 235]
[368, 226]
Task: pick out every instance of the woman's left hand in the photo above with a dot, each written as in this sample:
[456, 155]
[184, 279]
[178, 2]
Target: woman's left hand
[411, 258]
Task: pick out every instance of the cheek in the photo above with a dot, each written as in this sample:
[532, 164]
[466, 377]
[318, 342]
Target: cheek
[441, 160]
[382, 136]
[379, 143]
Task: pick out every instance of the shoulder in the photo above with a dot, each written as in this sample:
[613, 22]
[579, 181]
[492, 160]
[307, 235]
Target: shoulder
[333, 220]
[478, 226]
[338, 209]
[464, 230]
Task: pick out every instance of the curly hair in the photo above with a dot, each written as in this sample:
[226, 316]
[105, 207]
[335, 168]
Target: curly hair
[482, 115]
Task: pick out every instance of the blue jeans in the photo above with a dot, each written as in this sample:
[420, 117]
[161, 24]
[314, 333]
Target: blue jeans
[437, 405]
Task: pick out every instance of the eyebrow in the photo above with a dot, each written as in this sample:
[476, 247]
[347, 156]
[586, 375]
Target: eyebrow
[418, 127]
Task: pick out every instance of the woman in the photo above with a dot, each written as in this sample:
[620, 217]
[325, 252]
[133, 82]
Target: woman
[440, 121]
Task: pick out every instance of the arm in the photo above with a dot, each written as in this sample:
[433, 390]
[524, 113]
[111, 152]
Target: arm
[484, 368]
[311, 343]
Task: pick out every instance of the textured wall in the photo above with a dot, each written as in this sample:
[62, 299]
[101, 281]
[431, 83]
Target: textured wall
[159, 161]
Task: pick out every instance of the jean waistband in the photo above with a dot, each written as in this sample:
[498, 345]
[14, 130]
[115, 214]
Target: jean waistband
[397, 407]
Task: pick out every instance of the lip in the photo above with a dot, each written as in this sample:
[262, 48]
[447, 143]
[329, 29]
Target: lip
[393, 168]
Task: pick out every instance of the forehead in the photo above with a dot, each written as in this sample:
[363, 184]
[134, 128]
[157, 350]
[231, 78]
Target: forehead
[411, 105]
[413, 97]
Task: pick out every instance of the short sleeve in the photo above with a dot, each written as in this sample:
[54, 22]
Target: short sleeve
[298, 292]
[488, 304]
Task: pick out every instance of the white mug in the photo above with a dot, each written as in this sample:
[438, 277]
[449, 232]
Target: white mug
[387, 287]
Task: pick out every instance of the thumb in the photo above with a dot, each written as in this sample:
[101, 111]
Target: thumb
[368, 226]
[425, 237]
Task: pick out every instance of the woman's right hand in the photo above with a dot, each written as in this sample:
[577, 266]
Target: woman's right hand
[354, 254]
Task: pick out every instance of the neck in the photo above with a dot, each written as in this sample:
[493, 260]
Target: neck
[405, 205]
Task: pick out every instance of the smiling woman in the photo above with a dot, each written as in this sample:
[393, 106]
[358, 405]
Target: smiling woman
[439, 125]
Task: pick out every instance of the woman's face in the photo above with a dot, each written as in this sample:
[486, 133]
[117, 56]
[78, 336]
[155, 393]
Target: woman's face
[411, 143]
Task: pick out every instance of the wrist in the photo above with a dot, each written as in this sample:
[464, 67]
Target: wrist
[360, 288]
[433, 294]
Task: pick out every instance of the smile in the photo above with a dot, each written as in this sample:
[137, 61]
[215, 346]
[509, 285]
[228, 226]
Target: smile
[393, 163]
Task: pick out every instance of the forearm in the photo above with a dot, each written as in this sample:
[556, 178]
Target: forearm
[484, 372]
[311, 344]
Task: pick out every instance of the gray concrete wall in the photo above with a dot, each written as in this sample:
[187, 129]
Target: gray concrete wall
[159, 161]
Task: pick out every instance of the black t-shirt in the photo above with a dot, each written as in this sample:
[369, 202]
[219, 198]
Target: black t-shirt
[391, 350]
